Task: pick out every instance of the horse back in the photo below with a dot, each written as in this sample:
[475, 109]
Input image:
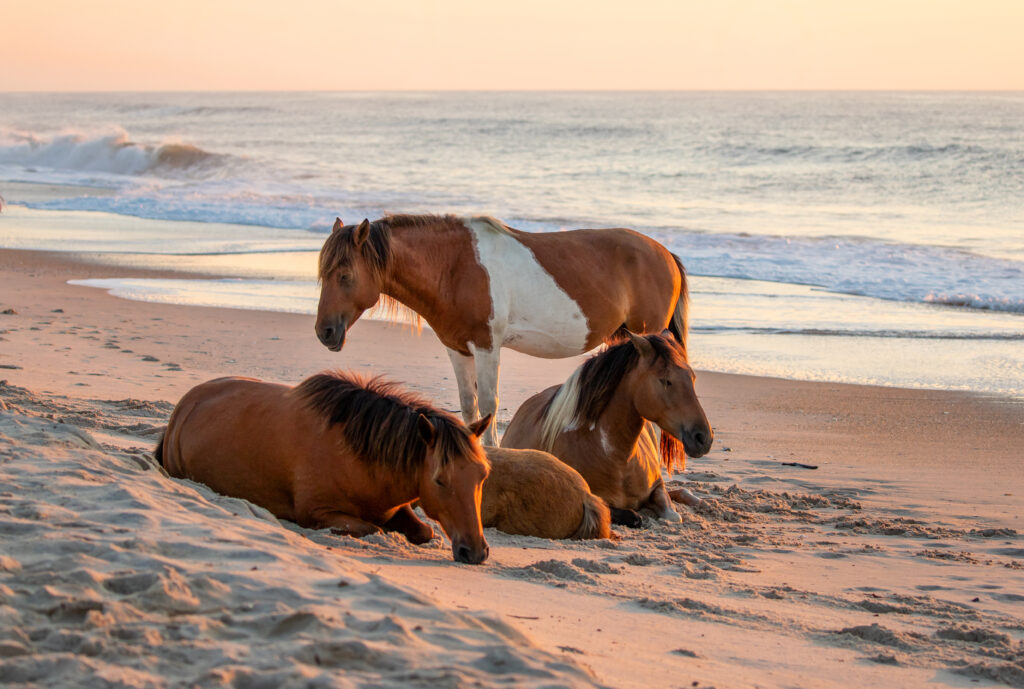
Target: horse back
[617, 276]
[243, 438]
[532, 493]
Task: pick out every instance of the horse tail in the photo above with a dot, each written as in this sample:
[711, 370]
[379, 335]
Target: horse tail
[158, 451]
[678, 325]
[597, 519]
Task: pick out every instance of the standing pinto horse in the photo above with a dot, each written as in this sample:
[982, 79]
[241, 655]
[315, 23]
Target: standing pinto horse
[481, 286]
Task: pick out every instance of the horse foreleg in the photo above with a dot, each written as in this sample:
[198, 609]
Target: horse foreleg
[659, 503]
[465, 376]
[684, 496]
[626, 518]
[409, 525]
[347, 525]
[488, 361]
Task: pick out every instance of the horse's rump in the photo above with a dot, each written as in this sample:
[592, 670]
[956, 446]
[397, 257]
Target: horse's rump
[597, 519]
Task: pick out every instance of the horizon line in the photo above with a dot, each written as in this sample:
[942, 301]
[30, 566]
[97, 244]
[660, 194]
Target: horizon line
[522, 90]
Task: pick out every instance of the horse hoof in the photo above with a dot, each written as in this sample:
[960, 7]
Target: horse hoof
[672, 517]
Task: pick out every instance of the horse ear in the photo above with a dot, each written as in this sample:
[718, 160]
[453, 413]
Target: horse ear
[338, 224]
[478, 427]
[427, 430]
[666, 333]
[362, 233]
[641, 343]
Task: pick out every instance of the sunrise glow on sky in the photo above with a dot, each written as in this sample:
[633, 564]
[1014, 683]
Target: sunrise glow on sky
[527, 44]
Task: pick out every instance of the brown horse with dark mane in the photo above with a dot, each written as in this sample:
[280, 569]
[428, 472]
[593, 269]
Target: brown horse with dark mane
[482, 285]
[335, 451]
[594, 420]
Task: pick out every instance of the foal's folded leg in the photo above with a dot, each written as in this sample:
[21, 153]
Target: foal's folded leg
[407, 523]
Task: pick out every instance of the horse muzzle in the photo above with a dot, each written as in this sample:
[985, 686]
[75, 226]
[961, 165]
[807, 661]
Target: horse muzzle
[332, 335]
[697, 442]
[462, 552]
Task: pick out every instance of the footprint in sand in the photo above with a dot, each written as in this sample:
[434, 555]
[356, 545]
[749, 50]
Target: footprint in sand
[149, 358]
[173, 367]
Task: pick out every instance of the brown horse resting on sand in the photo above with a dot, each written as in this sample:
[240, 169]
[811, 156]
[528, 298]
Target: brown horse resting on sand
[594, 420]
[335, 451]
[482, 285]
[532, 493]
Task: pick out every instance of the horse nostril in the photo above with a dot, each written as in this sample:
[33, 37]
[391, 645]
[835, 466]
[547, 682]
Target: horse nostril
[462, 553]
[326, 334]
[700, 438]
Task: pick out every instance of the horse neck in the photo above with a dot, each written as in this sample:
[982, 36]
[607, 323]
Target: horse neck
[620, 421]
[399, 487]
[421, 259]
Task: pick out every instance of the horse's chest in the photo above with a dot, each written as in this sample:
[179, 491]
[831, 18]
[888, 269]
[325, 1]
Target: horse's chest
[530, 312]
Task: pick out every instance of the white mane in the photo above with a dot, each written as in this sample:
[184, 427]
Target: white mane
[561, 414]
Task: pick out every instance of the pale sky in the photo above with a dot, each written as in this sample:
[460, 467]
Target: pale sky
[131, 45]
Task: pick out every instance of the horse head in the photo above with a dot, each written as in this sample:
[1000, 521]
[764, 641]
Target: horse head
[352, 262]
[451, 486]
[663, 392]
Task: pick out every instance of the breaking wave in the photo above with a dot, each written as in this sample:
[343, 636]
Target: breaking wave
[111, 153]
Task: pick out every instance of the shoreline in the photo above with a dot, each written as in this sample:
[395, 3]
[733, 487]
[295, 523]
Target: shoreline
[911, 423]
[866, 570]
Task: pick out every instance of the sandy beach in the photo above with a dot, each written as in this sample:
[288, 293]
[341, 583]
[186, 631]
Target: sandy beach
[897, 561]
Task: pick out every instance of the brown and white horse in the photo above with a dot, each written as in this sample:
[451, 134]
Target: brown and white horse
[595, 423]
[335, 451]
[481, 286]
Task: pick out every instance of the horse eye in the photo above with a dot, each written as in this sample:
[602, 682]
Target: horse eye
[666, 382]
[345, 277]
[440, 483]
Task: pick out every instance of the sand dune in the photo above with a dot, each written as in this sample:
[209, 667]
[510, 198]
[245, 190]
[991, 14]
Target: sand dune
[115, 574]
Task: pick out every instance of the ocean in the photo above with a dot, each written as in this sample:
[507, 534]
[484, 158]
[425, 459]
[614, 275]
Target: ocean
[852, 237]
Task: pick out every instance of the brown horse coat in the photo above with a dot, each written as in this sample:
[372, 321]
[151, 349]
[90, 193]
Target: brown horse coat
[532, 493]
[335, 451]
[595, 422]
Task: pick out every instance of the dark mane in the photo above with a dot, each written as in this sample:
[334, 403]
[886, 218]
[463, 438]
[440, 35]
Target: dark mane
[338, 248]
[599, 378]
[406, 220]
[601, 374]
[379, 420]
[376, 251]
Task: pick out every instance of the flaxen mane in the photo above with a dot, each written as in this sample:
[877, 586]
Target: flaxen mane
[581, 400]
[380, 421]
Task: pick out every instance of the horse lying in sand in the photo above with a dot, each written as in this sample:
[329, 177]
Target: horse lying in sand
[532, 493]
[335, 451]
[594, 420]
[482, 285]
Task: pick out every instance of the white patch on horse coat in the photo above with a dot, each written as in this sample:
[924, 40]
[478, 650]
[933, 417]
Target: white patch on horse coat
[530, 312]
[605, 445]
